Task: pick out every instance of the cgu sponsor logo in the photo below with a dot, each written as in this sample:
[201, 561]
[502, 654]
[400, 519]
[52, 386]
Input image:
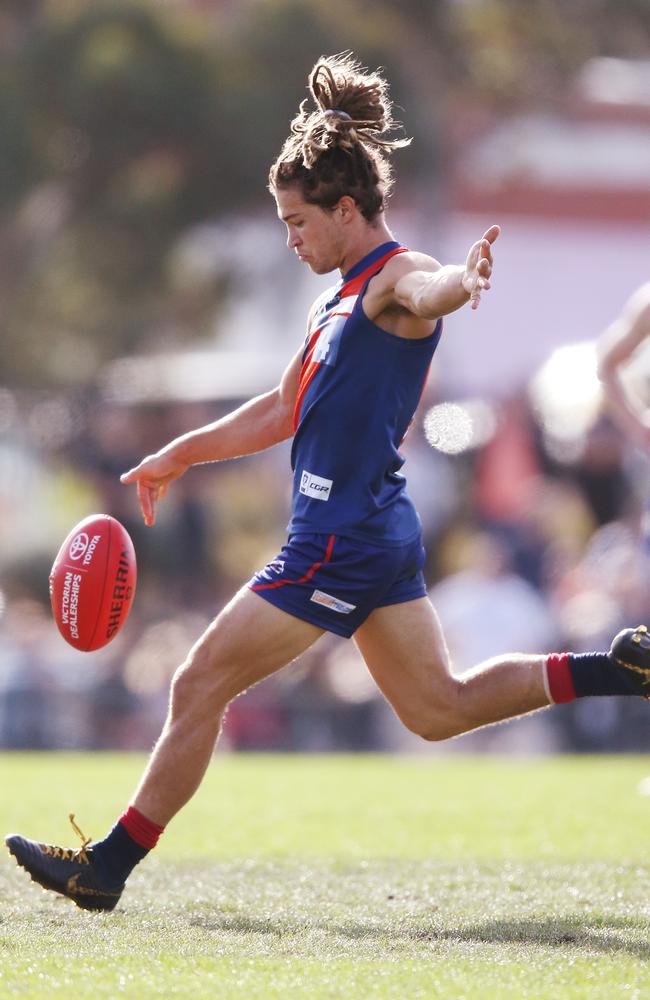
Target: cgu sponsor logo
[315, 486]
[333, 603]
[121, 595]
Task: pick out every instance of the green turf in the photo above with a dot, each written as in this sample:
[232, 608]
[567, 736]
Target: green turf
[345, 877]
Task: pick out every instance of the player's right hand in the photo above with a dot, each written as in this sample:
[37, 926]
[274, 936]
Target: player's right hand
[153, 477]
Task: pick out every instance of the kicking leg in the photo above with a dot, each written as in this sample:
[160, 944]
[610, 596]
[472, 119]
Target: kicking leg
[249, 640]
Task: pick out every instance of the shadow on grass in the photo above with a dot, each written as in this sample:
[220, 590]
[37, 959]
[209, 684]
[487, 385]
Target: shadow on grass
[604, 936]
[581, 933]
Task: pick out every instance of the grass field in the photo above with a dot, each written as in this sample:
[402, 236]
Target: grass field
[344, 877]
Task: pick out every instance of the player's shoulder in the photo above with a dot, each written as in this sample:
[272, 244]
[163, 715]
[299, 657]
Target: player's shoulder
[397, 268]
[381, 295]
[407, 261]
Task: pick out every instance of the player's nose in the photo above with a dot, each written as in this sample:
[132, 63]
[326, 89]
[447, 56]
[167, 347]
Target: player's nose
[293, 240]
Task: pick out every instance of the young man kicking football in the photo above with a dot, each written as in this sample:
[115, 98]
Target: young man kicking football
[353, 560]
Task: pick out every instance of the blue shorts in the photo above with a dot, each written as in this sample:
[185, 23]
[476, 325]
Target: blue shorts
[336, 582]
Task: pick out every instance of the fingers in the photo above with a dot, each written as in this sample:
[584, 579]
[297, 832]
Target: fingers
[131, 476]
[480, 254]
[148, 489]
[485, 259]
[147, 497]
[492, 233]
[485, 249]
[481, 281]
[483, 273]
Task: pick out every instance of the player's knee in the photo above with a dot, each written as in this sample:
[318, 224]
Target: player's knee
[185, 693]
[433, 728]
[439, 730]
[197, 685]
[436, 718]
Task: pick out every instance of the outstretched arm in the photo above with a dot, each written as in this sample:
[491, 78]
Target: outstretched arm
[438, 290]
[258, 424]
[615, 348]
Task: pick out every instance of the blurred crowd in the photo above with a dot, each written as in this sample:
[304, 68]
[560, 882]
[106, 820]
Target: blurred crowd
[531, 547]
[141, 295]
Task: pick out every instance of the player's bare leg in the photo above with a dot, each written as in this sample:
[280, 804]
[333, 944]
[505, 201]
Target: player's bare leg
[250, 640]
[405, 651]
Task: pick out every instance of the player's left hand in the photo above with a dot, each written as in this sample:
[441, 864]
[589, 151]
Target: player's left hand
[478, 267]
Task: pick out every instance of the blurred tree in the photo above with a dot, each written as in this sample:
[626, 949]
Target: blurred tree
[124, 123]
[121, 118]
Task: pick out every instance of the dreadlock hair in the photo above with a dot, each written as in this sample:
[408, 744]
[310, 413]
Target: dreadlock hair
[340, 148]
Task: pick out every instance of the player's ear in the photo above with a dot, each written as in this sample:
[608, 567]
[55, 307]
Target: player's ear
[346, 208]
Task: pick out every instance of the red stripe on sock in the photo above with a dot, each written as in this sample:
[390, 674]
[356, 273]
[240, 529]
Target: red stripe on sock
[560, 681]
[139, 828]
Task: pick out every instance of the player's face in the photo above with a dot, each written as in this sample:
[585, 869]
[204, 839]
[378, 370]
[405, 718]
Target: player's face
[315, 234]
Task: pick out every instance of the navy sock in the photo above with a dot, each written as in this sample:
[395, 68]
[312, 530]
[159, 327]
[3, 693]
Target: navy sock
[595, 674]
[116, 856]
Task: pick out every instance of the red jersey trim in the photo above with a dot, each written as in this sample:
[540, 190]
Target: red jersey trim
[352, 287]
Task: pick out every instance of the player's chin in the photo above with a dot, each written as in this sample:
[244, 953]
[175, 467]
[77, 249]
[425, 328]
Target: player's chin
[319, 267]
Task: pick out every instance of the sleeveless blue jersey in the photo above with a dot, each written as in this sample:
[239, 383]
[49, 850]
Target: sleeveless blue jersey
[359, 388]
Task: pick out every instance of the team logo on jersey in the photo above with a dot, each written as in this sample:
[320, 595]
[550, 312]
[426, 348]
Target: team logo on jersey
[315, 487]
[327, 346]
[333, 603]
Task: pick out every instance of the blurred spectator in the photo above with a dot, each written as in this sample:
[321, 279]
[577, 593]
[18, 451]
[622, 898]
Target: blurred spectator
[116, 241]
[622, 341]
[486, 607]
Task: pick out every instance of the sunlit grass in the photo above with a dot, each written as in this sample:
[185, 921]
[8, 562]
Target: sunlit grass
[345, 877]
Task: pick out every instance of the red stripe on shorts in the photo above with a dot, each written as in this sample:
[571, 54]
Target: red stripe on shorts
[308, 575]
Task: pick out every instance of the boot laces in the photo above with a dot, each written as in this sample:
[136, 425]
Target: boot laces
[78, 854]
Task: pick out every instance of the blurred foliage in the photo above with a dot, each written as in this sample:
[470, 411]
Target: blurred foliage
[125, 123]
